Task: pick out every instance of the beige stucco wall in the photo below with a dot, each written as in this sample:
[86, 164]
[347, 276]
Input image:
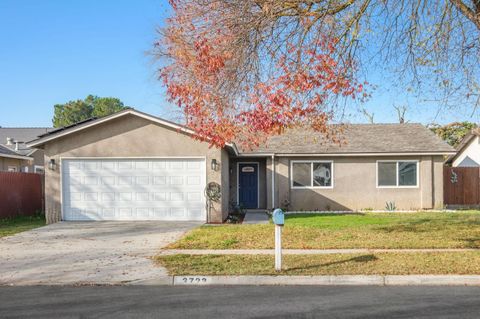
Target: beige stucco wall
[224, 169]
[21, 164]
[438, 164]
[5, 162]
[262, 187]
[355, 186]
[38, 159]
[129, 136]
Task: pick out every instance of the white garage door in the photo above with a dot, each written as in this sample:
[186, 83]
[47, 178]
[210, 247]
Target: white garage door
[133, 189]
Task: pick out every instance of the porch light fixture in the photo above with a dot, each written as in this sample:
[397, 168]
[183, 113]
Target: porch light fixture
[52, 165]
[214, 165]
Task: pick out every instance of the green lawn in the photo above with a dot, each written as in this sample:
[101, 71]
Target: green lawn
[348, 264]
[10, 226]
[370, 230]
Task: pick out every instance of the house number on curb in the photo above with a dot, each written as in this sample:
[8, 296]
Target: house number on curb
[194, 280]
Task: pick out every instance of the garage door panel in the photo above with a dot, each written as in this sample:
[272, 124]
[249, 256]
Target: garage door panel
[139, 213]
[116, 205]
[113, 197]
[143, 189]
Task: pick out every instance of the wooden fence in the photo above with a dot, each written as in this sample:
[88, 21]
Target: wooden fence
[461, 186]
[20, 194]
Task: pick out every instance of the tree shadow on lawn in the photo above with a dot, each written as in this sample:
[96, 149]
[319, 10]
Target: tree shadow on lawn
[473, 242]
[428, 225]
[417, 226]
[358, 259]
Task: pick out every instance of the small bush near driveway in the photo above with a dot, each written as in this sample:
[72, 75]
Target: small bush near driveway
[369, 230]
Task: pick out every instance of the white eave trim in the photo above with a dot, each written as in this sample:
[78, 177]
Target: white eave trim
[32, 151]
[466, 142]
[114, 116]
[17, 157]
[345, 154]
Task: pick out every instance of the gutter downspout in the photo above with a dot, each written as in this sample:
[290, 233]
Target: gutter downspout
[273, 182]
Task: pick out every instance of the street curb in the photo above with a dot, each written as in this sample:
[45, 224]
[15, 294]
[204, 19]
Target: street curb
[159, 281]
[343, 280]
[433, 280]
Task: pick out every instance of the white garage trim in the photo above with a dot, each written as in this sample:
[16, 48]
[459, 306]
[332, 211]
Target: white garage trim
[199, 189]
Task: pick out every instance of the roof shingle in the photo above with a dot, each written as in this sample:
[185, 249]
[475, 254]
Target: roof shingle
[22, 135]
[357, 138]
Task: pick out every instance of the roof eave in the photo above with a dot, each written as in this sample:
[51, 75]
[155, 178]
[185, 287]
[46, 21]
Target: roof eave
[425, 153]
[38, 143]
[463, 144]
[27, 158]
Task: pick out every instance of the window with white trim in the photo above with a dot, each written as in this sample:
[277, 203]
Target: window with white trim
[397, 173]
[312, 174]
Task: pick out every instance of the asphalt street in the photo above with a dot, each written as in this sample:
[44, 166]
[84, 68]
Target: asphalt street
[239, 302]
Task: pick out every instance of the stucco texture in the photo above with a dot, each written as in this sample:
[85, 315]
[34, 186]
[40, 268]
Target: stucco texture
[130, 136]
[5, 162]
[22, 164]
[355, 186]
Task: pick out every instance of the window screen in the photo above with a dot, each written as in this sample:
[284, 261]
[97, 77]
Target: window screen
[302, 174]
[322, 174]
[407, 173]
[387, 174]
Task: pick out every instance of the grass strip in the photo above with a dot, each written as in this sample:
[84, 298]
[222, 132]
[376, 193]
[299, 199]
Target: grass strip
[370, 230]
[351, 264]
[11, 226]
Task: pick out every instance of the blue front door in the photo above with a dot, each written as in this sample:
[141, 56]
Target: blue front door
[248, 185]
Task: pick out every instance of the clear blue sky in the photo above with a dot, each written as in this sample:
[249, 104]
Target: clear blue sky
[53, 51]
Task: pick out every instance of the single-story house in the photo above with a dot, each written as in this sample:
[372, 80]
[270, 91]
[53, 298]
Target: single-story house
[15, 156]
[134, 166]
[468, 151]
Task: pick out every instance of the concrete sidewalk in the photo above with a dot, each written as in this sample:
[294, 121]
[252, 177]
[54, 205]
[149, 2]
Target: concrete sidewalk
[305, 251]
[256, 218]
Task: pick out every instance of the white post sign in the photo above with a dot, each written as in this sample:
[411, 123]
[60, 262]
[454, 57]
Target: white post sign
[278, 247]
[279, 221]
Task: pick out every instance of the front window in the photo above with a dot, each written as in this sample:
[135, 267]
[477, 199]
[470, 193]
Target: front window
[302, 174]
[397, 174]
[306, 174]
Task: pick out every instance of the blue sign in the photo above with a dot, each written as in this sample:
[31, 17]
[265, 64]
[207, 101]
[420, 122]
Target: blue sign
[278, 217]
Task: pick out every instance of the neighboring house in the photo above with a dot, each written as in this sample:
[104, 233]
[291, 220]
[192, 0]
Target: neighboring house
[15, 156]
[468, 151]
[135, 166]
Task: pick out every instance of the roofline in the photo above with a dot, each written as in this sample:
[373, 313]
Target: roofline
[345, 154]
[465, 142]
[25, 127]
[47, 138]
[16, 156]
[32, 151]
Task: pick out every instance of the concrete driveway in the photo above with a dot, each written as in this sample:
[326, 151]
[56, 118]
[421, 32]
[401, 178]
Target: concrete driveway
[87, 252]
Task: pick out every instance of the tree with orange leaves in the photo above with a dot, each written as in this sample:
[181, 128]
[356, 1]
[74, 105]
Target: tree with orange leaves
[237, 78]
